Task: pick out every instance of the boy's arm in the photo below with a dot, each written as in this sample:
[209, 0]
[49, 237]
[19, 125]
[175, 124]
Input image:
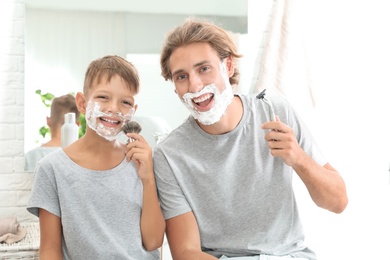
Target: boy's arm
[184, 239]
[152, 219]
[51, 236]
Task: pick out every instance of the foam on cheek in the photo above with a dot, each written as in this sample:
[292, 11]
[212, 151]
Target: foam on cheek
[221, 100]
[93, 113]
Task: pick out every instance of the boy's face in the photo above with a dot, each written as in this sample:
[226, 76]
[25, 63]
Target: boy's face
[202, 81]
[108, 106]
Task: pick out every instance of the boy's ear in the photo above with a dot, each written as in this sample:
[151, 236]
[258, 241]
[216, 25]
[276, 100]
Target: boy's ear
[48, 121]
[81, 102]
[135, 107]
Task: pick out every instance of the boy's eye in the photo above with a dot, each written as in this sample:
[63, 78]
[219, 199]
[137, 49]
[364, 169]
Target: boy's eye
[102, 97]
[128, 103]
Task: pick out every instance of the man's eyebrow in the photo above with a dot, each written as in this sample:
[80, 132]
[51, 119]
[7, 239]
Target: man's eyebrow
[198, 64]
[177, 72]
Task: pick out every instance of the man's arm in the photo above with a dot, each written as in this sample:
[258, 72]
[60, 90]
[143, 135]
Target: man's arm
[51, 236]
[184, 239]
[325, 185]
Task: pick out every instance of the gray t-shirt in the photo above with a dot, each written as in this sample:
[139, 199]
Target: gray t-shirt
[241, 196]
[33, 156]
[99, 210]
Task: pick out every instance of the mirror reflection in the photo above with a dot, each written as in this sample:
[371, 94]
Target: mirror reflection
[63, 38]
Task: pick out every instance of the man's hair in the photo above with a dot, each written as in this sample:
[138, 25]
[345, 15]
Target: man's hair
[60, 106]
[194, 30]
[107, 67]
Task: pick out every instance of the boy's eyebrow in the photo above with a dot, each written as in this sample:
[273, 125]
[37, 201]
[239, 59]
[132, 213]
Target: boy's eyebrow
[198, 64]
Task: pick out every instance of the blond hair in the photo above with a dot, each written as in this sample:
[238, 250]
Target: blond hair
[109, 66]
[193, 31]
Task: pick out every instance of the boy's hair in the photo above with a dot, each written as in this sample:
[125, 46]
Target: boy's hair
[193, 31]
[109, 66]
[60, 106]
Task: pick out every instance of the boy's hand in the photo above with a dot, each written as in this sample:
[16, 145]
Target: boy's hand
[140, 153]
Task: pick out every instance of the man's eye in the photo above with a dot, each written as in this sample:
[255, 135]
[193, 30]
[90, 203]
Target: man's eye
[180, 77]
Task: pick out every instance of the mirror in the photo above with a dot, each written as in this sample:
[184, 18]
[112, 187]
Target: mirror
[63, 37]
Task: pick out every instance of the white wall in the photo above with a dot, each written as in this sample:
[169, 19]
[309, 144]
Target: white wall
[15, 185]
[350, 61]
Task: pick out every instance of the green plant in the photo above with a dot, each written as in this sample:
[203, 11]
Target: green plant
[47, 100]
[82, 125]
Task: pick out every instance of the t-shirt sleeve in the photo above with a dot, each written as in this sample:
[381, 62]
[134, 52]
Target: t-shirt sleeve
[44, 193]
[173, 201]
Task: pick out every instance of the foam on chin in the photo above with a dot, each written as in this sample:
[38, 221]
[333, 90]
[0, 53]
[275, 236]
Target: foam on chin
[92, 115]
[221, 101]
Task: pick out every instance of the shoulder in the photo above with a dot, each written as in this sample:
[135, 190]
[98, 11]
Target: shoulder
[37, 154]
[177, 133]
[54, 157]
[39, 151]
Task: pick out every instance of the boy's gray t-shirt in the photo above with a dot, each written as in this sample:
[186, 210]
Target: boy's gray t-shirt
[99, 210]
[241, 196]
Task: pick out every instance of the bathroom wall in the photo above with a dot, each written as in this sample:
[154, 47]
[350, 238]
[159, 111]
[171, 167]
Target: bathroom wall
[15, 184]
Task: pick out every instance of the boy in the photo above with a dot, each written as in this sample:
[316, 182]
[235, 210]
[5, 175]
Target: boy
[59, 107]
[96, 198]
[223, 177]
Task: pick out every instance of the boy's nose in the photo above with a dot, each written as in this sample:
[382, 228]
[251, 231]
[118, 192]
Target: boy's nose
[113, 107]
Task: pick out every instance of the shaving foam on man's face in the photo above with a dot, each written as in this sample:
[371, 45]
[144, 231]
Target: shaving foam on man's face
[94, 117]
[221, 100]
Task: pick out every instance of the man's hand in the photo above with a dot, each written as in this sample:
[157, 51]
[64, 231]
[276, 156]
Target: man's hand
[282, 142]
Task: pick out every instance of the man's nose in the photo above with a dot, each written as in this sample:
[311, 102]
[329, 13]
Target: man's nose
[196, 84]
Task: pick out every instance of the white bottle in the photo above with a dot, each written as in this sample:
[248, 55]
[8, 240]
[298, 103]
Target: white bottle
[69, 130]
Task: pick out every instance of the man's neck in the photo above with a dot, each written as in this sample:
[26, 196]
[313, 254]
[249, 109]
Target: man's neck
[54, 142]
[228, 121]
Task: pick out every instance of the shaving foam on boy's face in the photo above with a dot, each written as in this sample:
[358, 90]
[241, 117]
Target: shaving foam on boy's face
[94, 115]
[221, 100]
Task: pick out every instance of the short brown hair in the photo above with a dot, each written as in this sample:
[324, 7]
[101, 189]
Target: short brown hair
[109, 66]
[194, 30]
[60, 106]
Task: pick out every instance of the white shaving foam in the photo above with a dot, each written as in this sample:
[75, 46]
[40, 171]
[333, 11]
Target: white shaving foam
[221, 101]
[93, 112]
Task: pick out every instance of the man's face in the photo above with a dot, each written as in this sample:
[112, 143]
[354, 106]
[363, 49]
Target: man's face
[202, 80]
[194, 67]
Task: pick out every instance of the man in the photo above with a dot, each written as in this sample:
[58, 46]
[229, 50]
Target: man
[225, 175]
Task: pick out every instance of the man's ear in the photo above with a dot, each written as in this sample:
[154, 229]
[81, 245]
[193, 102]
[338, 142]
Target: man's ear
[81, 102]
[230, 66]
